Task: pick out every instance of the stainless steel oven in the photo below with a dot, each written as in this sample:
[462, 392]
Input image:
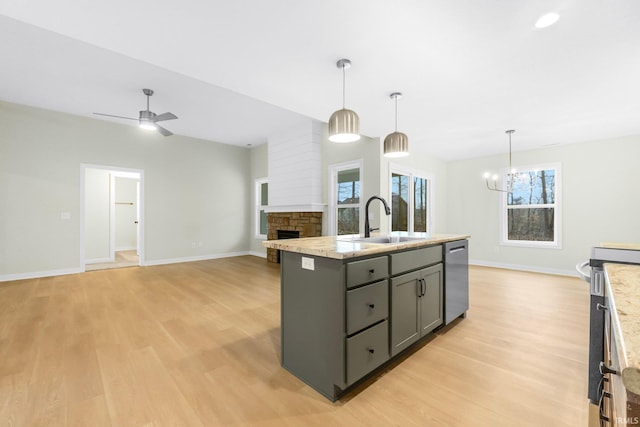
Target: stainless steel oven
[592, 272]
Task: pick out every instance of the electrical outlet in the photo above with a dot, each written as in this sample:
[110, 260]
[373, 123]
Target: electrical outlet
[65, 215]
[308, 263]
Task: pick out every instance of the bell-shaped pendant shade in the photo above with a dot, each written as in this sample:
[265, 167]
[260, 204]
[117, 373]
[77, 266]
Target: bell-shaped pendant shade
[344, 126]
[396, 144]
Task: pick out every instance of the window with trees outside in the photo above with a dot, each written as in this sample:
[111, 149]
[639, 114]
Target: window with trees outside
[346, 187]
[410, 202]
[262, 200]
[531, 210]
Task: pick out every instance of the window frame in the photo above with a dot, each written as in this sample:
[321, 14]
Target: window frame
[259, 206]
[557, 206]
[430, 188]
[332, 222]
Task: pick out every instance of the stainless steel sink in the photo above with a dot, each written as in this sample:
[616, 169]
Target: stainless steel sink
[389, 239]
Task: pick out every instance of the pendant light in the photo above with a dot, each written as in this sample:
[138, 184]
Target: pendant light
[344, 125]
[510, 174]
[396, 144]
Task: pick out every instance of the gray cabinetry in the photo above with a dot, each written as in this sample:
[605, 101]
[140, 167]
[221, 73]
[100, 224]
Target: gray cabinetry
[416, 306]
[341, 319]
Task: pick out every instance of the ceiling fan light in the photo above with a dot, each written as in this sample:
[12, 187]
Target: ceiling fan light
[344, 126]
[396, 144]
[148, 125]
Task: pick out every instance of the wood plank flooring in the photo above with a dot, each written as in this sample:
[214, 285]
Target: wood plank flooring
[198, 344]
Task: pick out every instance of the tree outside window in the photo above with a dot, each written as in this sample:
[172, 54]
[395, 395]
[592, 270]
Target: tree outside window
[409, 202]
[532, 206]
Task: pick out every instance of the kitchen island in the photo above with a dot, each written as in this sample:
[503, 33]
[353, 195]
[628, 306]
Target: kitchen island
[349, 304]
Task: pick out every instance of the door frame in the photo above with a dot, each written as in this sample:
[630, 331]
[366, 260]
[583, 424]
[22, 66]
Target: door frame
[116, 171]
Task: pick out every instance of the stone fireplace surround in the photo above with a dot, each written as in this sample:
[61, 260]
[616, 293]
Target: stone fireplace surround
[309, 224]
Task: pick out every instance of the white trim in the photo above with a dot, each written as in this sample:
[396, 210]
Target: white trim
[39, 274]
[333, 170]
[533, 269]
[257, 188]
[115, 171]
[556, 205]
[125, 248]
[413, 173]
[98, 260]
[312, 207]
[258, 254]
[195, 258]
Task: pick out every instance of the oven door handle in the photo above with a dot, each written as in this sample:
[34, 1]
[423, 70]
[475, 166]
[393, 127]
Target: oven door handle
[580, 268]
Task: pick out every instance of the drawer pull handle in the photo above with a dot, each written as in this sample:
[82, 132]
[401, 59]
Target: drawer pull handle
[371, 306]
[604, 369]
[371, 271]
[601, 307]
[370, 350]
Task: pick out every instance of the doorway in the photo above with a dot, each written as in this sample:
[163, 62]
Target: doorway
[111, 217]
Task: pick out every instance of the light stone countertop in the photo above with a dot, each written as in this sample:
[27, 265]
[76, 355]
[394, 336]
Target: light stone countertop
[614, 245]
[343, 247]
[624, 299]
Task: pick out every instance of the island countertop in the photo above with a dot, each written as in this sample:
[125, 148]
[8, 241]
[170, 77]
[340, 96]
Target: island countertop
[342, 247]
[624, 281]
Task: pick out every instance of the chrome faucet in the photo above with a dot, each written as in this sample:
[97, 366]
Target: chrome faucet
[367, 230]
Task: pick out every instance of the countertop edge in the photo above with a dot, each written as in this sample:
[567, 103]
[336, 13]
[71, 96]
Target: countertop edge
[336, 248]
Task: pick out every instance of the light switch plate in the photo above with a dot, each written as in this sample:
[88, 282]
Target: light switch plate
[308, 263]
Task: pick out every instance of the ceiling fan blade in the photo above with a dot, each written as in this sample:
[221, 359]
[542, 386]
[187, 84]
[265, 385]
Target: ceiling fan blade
[118, 117]
[164, 116]
[164, 131]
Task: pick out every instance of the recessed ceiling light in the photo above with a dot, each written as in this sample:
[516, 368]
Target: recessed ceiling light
[547, 20]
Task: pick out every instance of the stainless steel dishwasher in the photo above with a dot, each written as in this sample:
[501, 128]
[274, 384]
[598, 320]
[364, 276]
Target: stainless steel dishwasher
[456, 279]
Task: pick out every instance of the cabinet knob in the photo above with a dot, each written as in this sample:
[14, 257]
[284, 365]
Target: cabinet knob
[371, 306]
[601, 307]
[371, 350]
[371, 271]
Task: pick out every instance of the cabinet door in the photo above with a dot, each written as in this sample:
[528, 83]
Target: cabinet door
[431, 301]
[405, 326]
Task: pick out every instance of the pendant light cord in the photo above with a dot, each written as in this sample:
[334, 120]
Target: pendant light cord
[396, 99]
[343, 86]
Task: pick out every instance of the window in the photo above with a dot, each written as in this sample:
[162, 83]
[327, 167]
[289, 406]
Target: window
[346, 187]
[262, 200]
[410, 202]
[531, 211]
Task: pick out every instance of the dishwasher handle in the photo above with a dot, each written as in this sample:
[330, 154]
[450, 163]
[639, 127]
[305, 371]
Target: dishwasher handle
[458, 249]
[580, 268]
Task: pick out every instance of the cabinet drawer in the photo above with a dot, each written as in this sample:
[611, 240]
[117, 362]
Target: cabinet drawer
[367, 270]
[367, 305]
[410, 260]
[366, 351]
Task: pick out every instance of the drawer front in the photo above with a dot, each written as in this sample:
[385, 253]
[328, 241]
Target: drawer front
[367, 270]
[366, 351]
[410, 260]
[367, 305]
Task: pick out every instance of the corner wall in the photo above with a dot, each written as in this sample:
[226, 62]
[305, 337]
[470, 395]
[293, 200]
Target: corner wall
[196, 192]
[599, 203]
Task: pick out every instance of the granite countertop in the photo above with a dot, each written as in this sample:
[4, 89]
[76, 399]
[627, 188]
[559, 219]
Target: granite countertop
[614, 245]
[342, 247]
[624, 300]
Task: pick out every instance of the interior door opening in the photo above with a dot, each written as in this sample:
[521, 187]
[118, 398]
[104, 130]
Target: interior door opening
[112, 211]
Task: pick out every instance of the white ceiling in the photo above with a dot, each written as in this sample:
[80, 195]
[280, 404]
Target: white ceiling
[236, 71]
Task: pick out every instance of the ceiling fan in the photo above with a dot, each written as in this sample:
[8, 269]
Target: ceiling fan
[148, 119]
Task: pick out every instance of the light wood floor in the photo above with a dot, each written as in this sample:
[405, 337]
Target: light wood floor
[197, 344]
[122, 259]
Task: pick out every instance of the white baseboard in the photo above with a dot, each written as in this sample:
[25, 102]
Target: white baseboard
[544, 270]
[98, 260]
[125, 248]
[194, 258]
[258, 254]
[38, 274]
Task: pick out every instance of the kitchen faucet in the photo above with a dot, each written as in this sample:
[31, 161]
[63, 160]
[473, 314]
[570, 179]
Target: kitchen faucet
[367, 230]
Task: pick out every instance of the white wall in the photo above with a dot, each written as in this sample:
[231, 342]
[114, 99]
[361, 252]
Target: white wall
[600, 202]
[97, 221]
[125, 213]
[434, 169]
[367, 150]
[259, 163]
[196, 192]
